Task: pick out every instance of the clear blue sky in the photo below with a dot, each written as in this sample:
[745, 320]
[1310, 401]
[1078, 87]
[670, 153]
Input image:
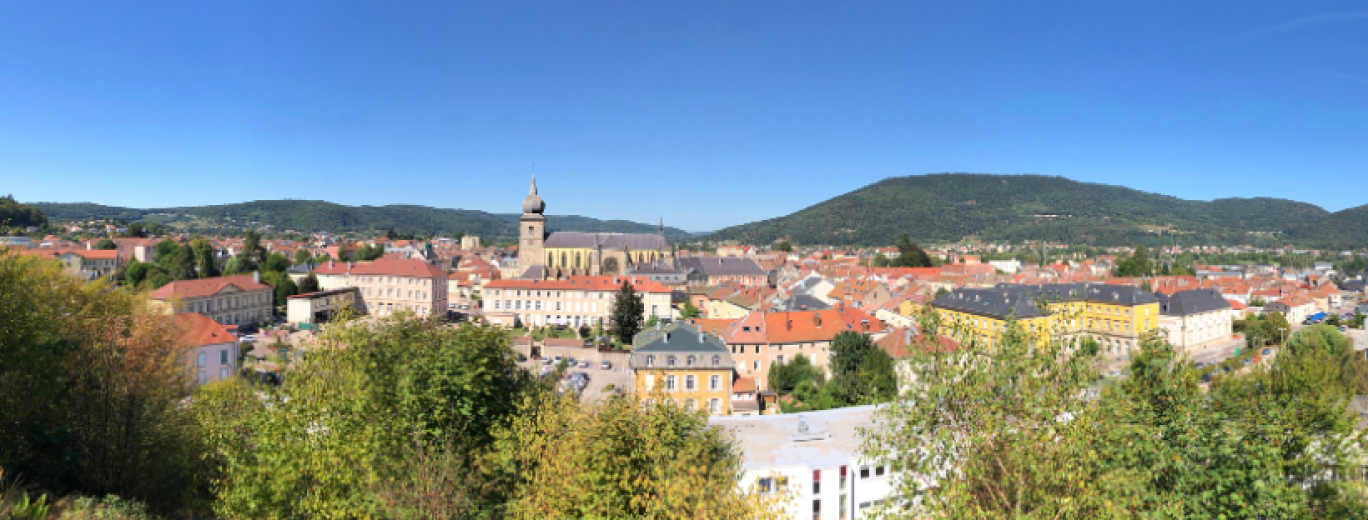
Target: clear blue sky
[706, 113]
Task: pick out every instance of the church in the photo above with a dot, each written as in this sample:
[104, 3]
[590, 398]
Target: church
[560, 255]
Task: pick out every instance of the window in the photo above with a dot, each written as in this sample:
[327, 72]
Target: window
[717, 361]
[816, 509]
[689, 404]
[689, 361]
[669, 361]
[843, 481]
[715, 405]
[879, 471]
[765, 485]
[669, 383]
[757, 366]
[223, 373]
[715, 383]
[200, 360]
[864, 472]
[223, 356]
[690, 383]
[816, 481]
[841, 507]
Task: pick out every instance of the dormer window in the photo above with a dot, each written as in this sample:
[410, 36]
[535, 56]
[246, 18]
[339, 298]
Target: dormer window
[670, 361]
[650, 361]
[689, 361]
[717, 361]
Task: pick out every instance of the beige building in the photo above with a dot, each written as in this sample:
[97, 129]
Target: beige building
[320, 306]
[564, 254]
[389, 285]
[229, 300]
[578, 301]
[1194, 318]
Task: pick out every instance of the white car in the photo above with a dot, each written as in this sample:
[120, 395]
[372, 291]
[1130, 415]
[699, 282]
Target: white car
[249, 338]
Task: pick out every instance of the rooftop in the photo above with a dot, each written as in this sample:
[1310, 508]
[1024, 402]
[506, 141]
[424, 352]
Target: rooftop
[830, 439]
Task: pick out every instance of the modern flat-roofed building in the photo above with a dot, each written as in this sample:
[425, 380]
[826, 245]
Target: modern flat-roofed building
[319, 306]
[815, 457]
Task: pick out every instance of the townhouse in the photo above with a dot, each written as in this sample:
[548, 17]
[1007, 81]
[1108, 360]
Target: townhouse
[760, 339]
[213, 353]
[1295, 308]
[576, 301]
[228, 300]
[682, 363]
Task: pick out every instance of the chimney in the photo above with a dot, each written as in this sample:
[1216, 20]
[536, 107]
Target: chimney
[817, 319]
[256, 276]
[330, 263]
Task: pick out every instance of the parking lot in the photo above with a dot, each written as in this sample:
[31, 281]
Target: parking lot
[618, 377]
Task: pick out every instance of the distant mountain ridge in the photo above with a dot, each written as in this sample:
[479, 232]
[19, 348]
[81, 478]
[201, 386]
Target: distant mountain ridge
[956, 206]
[316, 215]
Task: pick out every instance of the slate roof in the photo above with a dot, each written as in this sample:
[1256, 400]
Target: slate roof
[799, 302]
[609, 241]
[682, 339]
[722, 266]
[1196, 301]
[1019, 301]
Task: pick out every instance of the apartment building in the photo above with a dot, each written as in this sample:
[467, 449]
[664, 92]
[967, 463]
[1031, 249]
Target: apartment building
[759, 339]
[1195, 317]
[95, 262]
[576, 301]
[1114, 315]
[682, 363]
[389, 285]
[717, 270]
[228, 300]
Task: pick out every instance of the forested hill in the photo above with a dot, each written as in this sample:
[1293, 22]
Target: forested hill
[956, 206]
[313, 215]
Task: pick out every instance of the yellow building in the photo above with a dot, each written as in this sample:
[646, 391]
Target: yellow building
[560, 255]
[1116, 316]
[684, 364]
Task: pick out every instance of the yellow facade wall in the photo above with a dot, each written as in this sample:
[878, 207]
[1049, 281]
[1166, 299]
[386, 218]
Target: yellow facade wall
[652, 380]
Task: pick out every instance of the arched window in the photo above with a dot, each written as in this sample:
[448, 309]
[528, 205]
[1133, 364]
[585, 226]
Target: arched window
[670, 361]
[689, 361]
[717, 360]
[650, 361]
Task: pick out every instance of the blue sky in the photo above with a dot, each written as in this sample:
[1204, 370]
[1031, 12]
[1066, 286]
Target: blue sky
[705, 113]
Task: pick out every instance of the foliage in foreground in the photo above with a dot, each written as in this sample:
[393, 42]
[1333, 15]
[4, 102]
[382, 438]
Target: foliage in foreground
[1022, 432]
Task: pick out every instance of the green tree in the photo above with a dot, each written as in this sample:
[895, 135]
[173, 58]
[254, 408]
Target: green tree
[136, 230]
[848, 350]
[1142, 261]
[251, 256]
[942, 292]
[783, 246]
[625, 316]
[92, 384]
[879, 261]
[301, 256]
[364, 420]
[1275, 327]
[689, 311]
[182, 265]
[284, 286]
[106, 244]
[323, 258]
[206, 258]
[309, 284]
[910, 254]
[784, 377]
[276, 262]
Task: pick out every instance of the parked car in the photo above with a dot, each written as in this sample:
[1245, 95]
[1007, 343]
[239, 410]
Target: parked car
[1344, 328]
[557, 360]
[249, 338]
[605, 366]
[584, 363]
[1200, 364]
[547, 361]
[1267, 351]
[1206, 378]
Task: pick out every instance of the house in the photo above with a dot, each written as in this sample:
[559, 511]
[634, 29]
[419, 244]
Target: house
[1295, 308]
[213, 354]
[744, 398]
[1195, 317]
[817, 457]
[760, 339]
[229, 300]
[682, 363]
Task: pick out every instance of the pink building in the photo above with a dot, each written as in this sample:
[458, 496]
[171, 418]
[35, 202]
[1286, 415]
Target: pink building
[389, 285]
[214, 351]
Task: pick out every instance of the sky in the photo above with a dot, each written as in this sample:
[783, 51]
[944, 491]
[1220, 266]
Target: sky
[703, 113]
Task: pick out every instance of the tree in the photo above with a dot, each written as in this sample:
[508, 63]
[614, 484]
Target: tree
[91, 390]
[689, 311]
[276, 262]
[880, 260]
[910, 254]
[942, 291]
[106, 244]
[625, 316]
[1142, 261]
[206, 258]
[301, 256]
[251, 256]
[323, 258]
[619, 459]
[783, 246]
[284, 286]
[309, 284]
[1255, 301]
[369, 416]
[784, 377]
[182, 266]
[1275, 327]
[848, 350]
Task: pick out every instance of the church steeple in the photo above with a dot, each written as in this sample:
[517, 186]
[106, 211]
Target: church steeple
[533, 204]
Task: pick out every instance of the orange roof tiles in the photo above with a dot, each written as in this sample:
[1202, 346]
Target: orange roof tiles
[200, 330]
[206, 286]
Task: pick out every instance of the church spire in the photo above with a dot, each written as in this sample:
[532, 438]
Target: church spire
[533, 204]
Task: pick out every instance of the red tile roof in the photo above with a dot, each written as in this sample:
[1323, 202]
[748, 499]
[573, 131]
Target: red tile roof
[206, 286]
[200, 330]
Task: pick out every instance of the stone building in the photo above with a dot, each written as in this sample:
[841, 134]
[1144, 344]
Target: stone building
[560, 255]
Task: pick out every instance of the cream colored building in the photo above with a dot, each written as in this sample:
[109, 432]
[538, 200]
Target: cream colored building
[577, 301]
[320, 306]
[389, 285]
[229, 300]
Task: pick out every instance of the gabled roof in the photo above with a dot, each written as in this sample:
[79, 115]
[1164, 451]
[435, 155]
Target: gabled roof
[722, 266]
[1196, 301]
[200, 330]
[609, 241]
[195, 288]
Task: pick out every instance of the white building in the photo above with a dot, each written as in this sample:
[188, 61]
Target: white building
[815, 456]
[1196, 317]
[1006, 266]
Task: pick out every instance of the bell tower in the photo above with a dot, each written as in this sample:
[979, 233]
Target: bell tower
[532, 230]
